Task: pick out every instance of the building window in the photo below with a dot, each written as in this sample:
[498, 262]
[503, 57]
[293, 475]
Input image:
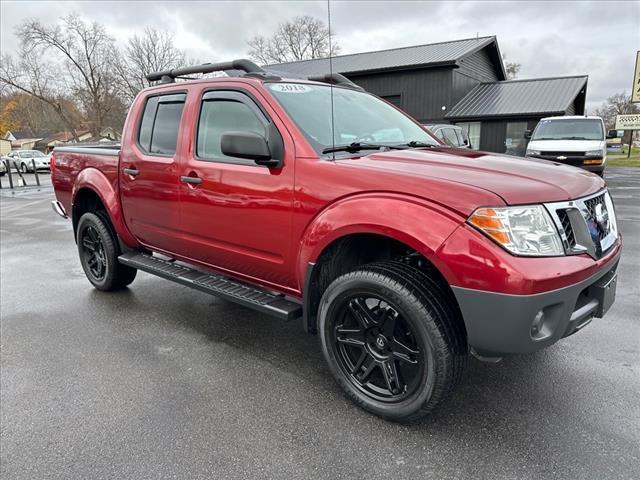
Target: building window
[515, 143]
[472, 130]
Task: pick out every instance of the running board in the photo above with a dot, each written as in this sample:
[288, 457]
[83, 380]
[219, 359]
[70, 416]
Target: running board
[250, 296]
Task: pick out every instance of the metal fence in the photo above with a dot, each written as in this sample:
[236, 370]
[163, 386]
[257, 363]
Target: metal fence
[21, 181]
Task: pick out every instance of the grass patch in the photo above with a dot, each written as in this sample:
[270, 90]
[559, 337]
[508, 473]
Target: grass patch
[623, 161]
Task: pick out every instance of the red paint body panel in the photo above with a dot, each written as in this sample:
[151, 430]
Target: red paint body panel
[469, 259]
[73, 172]
[264, 225]
[517, 180]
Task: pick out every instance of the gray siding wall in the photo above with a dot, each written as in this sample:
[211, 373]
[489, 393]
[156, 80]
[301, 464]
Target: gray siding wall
[474, 69]
[423, 92]
[479, 67]
[492, 136]
[461, 85]
[571, 110]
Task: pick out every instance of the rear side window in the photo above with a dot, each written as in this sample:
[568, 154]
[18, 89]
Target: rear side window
[439, 134]
[160, 123]
[219, 116]
[449, 136]
[463, 139]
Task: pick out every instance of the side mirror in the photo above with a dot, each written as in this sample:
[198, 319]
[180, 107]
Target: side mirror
[527, 134]
[248, 145]
[465, 142]
[612, 134]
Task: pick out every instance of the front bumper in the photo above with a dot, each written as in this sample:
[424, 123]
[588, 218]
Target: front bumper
[500, 324]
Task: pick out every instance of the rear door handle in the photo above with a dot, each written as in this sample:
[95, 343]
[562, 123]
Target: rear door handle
[192, 180]
[131, 171]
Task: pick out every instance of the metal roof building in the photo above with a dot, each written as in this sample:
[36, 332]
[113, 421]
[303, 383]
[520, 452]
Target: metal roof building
[461, 82]
[429, 55]
[538, 96]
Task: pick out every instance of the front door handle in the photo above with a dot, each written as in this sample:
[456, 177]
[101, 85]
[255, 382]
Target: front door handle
[192, 180]
[131, 171]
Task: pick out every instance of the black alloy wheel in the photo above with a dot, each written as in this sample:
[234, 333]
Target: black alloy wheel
[376, 348]
[99, 249]
[393, 339]
[93, 252]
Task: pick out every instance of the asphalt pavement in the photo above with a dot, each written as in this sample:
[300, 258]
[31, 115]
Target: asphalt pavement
[160, 381]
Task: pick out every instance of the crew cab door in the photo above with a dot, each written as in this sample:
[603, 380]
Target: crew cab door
[236, 214]
[149, 183]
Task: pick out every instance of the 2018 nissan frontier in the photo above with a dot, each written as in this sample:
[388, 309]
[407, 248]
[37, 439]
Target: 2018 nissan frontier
[313, 199]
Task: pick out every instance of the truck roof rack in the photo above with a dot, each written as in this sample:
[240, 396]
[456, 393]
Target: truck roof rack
[335, 79]
[250, 69]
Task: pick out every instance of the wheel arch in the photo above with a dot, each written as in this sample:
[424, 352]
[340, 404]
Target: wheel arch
[355, 233]
[94, 192]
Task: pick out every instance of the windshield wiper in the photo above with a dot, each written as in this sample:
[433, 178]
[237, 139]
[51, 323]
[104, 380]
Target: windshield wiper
[357, 146]
[575, 138]
[415, 144]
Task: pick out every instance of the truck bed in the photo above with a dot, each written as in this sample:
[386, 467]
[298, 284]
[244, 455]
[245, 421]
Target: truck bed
[69, 162]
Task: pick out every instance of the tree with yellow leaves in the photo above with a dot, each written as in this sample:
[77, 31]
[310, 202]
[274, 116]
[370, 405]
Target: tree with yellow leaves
[7, 122]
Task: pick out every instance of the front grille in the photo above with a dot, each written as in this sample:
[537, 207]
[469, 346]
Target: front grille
[563, 154]
[565, 221]
[591, 206]
[587, 225]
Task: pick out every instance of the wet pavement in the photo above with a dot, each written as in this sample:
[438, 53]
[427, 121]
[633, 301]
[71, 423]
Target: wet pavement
[160, 381]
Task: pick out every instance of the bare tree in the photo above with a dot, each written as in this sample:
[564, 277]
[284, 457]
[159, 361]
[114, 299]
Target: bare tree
[617, 104]
[511, 68]
[301, 38]
[33, 77]
[153, 51]
[87, 52]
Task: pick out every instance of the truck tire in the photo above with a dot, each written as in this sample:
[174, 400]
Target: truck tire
[99, 250]
[393, 339]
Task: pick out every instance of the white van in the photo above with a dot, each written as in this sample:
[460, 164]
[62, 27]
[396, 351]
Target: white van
[574, 140]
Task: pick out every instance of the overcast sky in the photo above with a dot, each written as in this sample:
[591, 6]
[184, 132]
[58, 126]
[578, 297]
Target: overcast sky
[549, 38]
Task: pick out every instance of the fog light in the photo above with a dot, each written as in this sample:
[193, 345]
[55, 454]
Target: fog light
[536, 326]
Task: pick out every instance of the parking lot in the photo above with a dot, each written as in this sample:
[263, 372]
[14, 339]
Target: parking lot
[160, 381]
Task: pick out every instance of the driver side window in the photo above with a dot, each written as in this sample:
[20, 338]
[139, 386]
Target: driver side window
[219, 116]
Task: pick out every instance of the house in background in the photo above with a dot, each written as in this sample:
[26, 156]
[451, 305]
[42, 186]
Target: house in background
[5, 146]
[109, 134]
[25, 140]
[61, 138]
[462, 82]
[25, 143]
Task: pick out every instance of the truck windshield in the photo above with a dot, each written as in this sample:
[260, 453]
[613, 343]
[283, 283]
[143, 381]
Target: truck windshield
[359, 117]
[575, 129]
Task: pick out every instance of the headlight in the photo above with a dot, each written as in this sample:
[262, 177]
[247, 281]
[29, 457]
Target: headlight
[525, 230]
[533, 152]
[596, 153]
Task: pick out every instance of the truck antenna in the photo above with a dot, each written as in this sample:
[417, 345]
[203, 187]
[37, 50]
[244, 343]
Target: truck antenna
[333, 137]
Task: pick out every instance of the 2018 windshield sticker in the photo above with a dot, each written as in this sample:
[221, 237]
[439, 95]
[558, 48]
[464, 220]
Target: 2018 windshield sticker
[289, 87]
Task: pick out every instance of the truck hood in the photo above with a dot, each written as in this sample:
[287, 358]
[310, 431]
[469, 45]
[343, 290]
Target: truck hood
[516, 180]
[566, 145]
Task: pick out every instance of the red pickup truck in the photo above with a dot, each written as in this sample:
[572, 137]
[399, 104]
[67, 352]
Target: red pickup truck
[313, 199]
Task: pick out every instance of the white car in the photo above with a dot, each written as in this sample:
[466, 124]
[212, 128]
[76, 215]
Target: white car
[3, 169]
[574, 140]
[25, 159]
